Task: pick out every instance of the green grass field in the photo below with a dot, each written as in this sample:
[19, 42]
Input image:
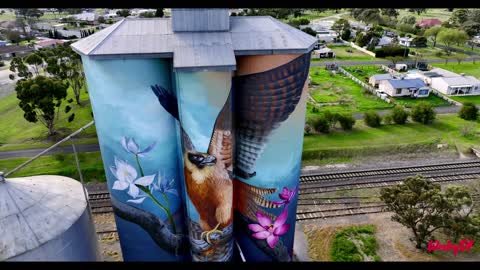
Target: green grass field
[339, 88]
[429, 53]
[446, 128]
[469, 68]
[440, 13]
[59, 164]
[355, 244]
[17, 133]
[364, 72]
[474, 99]
[434, 100]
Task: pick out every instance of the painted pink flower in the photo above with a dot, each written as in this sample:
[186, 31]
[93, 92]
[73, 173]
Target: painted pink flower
[265, 229]
[286, 196]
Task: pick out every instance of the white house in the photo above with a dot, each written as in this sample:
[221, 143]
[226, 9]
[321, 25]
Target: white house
[405, 41]
[427, 76]
[405, 88]
[455, 86]
[376, 79]
[324, 53]
[326, 35]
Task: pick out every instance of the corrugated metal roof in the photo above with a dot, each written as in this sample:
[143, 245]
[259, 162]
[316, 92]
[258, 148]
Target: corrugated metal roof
[407, 83]
[380, 77]
[154, 37]
[461, 80]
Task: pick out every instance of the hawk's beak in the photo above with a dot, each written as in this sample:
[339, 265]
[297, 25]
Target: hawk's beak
[208, 161]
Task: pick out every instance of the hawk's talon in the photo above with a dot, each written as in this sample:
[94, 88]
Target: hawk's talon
[208, 233]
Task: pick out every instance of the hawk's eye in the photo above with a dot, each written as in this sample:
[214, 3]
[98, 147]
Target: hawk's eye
[196, 159]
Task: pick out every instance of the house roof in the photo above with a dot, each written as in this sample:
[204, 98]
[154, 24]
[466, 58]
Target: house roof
[384, 41]
[461, 80]
[86, 16]
[429, 22]
[154, 37]
[49, 42]
[406, 83]
[324, 50]
[13, 49]
[439, 72]
[381, 77]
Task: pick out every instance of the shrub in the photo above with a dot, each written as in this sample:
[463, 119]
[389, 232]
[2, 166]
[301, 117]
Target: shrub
[388, 119]
[419, 41]
[399, 115]
[391, 51]
[347, 121]
[307, 130]
[468, 130]
[315, 110]
[372, 119]
[423, 112]
[468, 111]
[320, 124]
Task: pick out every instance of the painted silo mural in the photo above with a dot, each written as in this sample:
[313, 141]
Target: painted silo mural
[269, 101]
[205, 114]
[139, 150]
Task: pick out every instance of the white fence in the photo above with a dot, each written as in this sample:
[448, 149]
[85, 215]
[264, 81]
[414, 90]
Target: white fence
[366, 86]
[449, 100]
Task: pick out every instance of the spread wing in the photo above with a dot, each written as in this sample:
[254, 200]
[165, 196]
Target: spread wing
[221, 141]
[262, 101]
[248, 199]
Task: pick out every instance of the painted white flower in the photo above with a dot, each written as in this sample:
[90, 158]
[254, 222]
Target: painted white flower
[164, 186]
[126, 178]
[131, 146]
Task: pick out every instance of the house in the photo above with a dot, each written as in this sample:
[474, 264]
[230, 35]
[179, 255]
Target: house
[324, 53]
[86, 17]
[8, 52]
[47, 43]
[405, 87]
[376, 79]
[401, 67]
[326, 35]
[389, 34]
[427, 23]
[455, 86]
[427, 76]
[384, 41]
[3, 43]
[405, 41]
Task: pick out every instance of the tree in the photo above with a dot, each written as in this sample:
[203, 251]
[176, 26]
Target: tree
[399, 115]
[346, 121]
[13, 36]
[159, 12]
[395, 59]
[459, 57]
[448, 37]
[410, 20]
[460, 222]
[320, 124]
[432, 33]
[101, 19]
[346, 34]
[310, 31]
[418, 10]
[459, 16]
[419, 41]
[18, 66]
[390, 12]
[123, 13]
[372, 119]
[423, 112]
[35, 60]
[471, 28]
[469, 111]
[340, 25]
[65, 64]
[418, 205]
[406, 28]
[40, 99]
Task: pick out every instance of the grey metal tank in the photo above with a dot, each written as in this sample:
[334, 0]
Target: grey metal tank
[45, 218]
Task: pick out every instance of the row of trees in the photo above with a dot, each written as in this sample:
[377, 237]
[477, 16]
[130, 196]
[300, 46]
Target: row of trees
[326, 121]
[424, 208]
[41, 96]
[422, 112]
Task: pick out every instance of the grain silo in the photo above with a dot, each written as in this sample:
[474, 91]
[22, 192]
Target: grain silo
[45, 218]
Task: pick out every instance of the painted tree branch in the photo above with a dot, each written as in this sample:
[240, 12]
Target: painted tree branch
[156, 228]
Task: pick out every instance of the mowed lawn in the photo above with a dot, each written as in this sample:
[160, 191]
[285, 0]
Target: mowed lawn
[469, 68]
[339, 88]
[17, 133]
[91, 166]
[446, 128]
[434, 100]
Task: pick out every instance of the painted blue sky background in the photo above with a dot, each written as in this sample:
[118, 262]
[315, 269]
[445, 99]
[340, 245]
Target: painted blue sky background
[124, 105]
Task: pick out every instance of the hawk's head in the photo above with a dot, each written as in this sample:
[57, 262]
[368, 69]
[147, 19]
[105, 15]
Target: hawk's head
[200, 165]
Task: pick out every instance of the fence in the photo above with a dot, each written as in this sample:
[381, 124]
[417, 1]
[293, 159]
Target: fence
[366, 86]
[449, 100]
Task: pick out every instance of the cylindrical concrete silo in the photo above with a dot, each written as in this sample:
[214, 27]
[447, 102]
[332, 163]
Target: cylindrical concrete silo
[45, 218]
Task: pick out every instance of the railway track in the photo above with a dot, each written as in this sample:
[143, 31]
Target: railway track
[311, 184]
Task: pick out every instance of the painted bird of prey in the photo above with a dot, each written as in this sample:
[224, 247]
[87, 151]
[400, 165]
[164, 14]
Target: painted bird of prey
[257, 105]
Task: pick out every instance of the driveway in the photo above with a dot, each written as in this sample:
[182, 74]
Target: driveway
[60, 149]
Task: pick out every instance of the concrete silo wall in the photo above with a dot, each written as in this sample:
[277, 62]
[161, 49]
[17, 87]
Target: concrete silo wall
[138, 143]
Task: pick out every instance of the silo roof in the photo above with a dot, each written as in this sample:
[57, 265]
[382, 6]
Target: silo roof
[154, 38]
[35, 210]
